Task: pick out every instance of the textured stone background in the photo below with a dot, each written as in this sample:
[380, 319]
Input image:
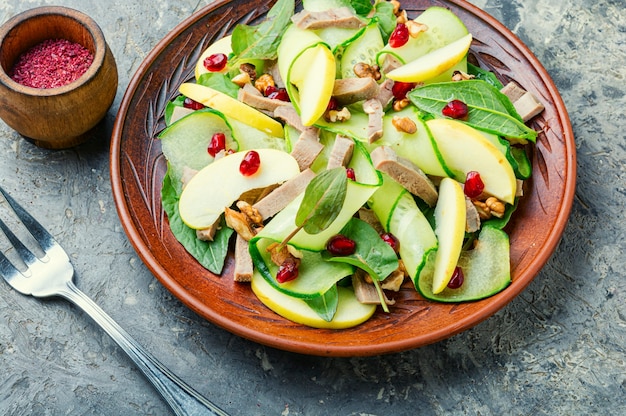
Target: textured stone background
[559, 348]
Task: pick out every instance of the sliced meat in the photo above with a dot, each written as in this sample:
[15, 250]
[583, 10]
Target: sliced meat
[243, 262]
[405, 173]
[341, 152]
[370, 217]
[472, 222]
[290, 116]
[374, 109]
[390, 63]
[280, 197]
[251, 96]
[385, 92]
[351, 90]
[524, 102]
[341, 17]
[307, 148]
[365, 292]
[207, 234]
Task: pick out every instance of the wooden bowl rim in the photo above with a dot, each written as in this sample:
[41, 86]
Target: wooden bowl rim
[132, 227]
[100, 47]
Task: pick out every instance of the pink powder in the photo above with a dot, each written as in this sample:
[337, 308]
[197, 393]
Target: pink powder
[52, 63]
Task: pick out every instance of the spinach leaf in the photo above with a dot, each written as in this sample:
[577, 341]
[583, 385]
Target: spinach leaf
[325, 305]
[485, 75]
[169, 108]
[261, 41]
[489, 109]
[361, 7]
[210, 254]
[386, 19]
[372, 253]
[323, 199]
[219, 82]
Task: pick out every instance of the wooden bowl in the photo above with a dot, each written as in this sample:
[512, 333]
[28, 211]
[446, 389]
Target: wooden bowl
[55, 118]
[138, 168]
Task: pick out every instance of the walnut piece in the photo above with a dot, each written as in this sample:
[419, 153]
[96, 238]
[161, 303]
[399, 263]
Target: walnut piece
[400, 104]
[404, 124]
[363, 70]
[264, 81]
[416, 28]
[338, 115]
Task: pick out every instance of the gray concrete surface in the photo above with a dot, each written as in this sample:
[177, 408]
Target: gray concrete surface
[558, 349]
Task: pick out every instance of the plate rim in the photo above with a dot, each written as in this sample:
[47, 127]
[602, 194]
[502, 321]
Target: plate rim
[298, 346]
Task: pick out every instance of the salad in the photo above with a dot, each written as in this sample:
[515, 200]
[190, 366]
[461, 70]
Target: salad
[343, 151]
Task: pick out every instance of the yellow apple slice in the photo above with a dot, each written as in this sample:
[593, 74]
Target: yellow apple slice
[450, 231]
[465, 149]
[433, 63]
[350, 312]
[313, 73]
[223, 45]
[219, 184]
[231, 107]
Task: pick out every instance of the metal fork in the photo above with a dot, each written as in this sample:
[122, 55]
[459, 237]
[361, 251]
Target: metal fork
[52, 275]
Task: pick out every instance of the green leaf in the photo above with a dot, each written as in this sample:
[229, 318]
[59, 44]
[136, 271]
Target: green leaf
[489, 109]
[210, 254]
[323, 199]
[219, 82]
[325, 305]
[361, 7]
[485, 75]
[261, 41]
[372, 253]
[386, 19]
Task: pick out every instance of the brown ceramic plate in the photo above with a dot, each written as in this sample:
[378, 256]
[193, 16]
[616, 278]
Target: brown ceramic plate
[137, 169]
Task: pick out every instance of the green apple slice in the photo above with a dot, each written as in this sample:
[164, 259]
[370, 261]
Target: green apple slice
[433, 63]
[465, 149]
[220, 184]
[450, 231]
[350, 312]
[313, 74]
[222, 45]
[231, 108]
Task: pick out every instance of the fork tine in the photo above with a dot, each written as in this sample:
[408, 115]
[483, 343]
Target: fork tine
[43, 237]
[27, 256]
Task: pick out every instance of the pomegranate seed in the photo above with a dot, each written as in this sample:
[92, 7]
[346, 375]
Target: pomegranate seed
[269, 90]
[401, 89]
[340, 245]
[392, 240]
[215, 62]
[456, 109]
[191, 104]
[250, 163]
[473, 184]
[279, 94]
[288, 270]
[333, 104]
[350, 174]
[217, 144]
[457, 278]
[399, 36]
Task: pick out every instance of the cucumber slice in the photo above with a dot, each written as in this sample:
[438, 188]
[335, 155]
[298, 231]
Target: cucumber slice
[253, 138]
[397, 211]
[444, 27]
[184, 143]
[486, 269]
[350, 312]
[315, 276]
[362, 49]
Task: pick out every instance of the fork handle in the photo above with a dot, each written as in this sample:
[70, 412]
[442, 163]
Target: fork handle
[182, 398]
